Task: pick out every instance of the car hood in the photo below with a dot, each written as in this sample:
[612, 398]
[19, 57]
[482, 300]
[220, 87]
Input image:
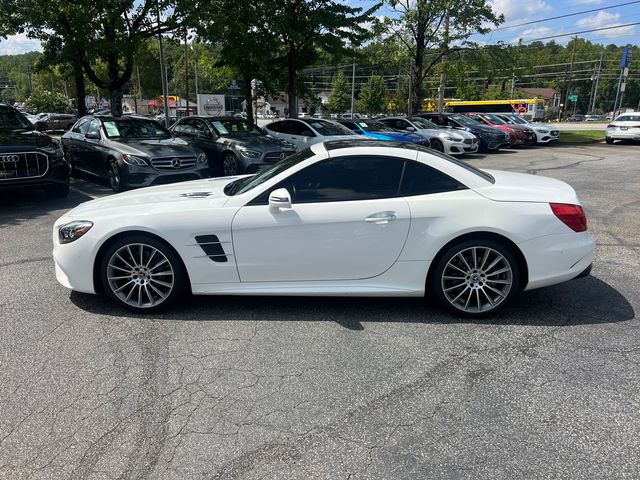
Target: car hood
[522, 187]
[486, 129]
[209, 191]
[154, 148]
[261, 143]
[20, 141]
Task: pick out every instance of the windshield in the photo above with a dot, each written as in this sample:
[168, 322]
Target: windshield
[326, 129]
[11, 119]
[515, 119]
[464, 120]
[628, 118]
[134, 128]
[374, 126]
[234, 127]
[242, 185]
[423, 123]
[493, 118]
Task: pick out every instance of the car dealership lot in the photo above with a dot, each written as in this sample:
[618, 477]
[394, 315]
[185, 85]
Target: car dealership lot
[249, 387]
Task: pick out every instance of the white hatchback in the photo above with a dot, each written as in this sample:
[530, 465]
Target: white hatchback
[624, 127]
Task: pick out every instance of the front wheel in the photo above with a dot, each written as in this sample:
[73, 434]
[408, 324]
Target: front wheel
[437, 145]
[609, 140]
[476, 278]
[113, 172]
[230, 165]
[142, 274]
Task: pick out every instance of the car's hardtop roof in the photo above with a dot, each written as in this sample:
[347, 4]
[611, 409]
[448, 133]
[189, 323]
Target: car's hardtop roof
[356, 142]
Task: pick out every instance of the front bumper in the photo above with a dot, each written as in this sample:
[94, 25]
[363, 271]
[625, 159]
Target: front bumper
[137, 176]
[555, 259]
[74, 261]
[58, 174]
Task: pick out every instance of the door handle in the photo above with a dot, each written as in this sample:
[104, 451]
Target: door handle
[381, 218]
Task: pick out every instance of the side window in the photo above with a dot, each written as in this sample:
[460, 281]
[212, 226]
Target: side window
[420, 179]
[81, 126]
[275, 127]
[346, 179]
[399, 124]
[201, 129]
[351, 126]
[94, 126]
[300, 128]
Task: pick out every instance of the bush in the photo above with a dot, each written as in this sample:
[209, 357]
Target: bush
[50, 102]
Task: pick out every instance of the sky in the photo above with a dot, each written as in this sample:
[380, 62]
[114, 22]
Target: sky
[514, 11]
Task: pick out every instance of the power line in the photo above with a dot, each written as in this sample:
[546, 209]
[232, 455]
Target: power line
[565, 16]
[583, 31]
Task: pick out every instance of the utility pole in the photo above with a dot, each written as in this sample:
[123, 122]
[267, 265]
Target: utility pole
[443, 75]
[567, 87]
[163, 71]
[513, 84]
[186, 70]
[195, 77]
[353, 87]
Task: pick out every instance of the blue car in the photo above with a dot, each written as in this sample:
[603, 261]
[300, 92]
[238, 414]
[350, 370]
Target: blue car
[380, 131]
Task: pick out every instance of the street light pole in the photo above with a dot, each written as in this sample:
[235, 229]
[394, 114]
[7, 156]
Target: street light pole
[186, 71]
[163, 71]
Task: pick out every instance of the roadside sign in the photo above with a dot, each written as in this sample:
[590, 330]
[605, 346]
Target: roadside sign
[627, 57]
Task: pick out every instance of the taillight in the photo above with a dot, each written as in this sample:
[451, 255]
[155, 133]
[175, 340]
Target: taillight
[571, 215]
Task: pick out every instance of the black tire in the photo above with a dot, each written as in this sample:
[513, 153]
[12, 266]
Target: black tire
[57, 191]
[437, 145]
[179, 275]
[478, 280]
[114, 176]
[230, 165]
[609, 140]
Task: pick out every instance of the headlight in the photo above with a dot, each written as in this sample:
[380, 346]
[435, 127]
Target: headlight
[543, 131]
[133, 160]
[250, 153]
[202, 157]
[70, 232]
[453, 139]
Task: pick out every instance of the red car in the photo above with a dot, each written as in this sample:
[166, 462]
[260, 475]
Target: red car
[518, 134]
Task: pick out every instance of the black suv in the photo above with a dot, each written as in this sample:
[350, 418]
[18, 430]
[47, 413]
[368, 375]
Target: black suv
[28, 158]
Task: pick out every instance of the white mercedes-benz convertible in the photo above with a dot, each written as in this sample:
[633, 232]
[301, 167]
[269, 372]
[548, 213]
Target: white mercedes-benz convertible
[344, 217]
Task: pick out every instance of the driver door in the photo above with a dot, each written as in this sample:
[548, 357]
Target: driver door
[346, 222]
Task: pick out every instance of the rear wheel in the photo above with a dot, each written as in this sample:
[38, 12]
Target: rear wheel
[476, 278]
[437, 145]
[142, 274]
[609, 140]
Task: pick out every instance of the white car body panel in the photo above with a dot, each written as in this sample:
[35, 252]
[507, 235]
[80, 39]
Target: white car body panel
[302, 142]
[621, 129]
[329, 248]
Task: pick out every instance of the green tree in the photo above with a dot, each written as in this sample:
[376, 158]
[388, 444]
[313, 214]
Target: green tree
[304, 27]
[373, 96]
[432, 29]
[94, 31]
[50, 102]
[340, 95]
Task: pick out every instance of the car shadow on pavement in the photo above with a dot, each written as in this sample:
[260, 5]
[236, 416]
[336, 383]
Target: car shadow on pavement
[24, 205]
[580, 302]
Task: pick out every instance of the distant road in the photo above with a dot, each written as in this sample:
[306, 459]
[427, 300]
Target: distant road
[580, 125]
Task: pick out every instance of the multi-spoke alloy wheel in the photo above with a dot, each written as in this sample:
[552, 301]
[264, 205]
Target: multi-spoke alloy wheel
[142, 274]
[230, 165]
[476, 278]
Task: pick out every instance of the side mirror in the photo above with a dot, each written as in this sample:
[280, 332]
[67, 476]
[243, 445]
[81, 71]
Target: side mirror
[410, 129]
[93, 135]
[279, 198]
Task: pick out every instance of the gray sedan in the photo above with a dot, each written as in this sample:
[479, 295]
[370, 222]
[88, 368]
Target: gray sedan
[233, 145]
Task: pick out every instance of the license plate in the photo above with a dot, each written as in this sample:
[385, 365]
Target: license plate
[624, 128]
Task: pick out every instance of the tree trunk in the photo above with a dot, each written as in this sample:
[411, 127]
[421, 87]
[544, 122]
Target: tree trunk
[248, 98]
[416, 80]
[292, 87]
[115, 96]
[81, 94]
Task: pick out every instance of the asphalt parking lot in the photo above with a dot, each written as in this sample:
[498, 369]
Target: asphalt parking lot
[285, 388]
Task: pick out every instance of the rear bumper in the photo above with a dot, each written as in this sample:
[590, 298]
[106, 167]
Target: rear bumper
[618, 134]
[555, 259]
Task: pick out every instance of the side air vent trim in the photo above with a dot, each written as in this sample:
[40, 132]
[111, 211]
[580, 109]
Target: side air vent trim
[212, 247]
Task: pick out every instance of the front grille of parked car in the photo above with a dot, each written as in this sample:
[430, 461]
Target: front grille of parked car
[173, 163]
[276, 156]
[470, 141]
[23, 165]
[554, 133]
